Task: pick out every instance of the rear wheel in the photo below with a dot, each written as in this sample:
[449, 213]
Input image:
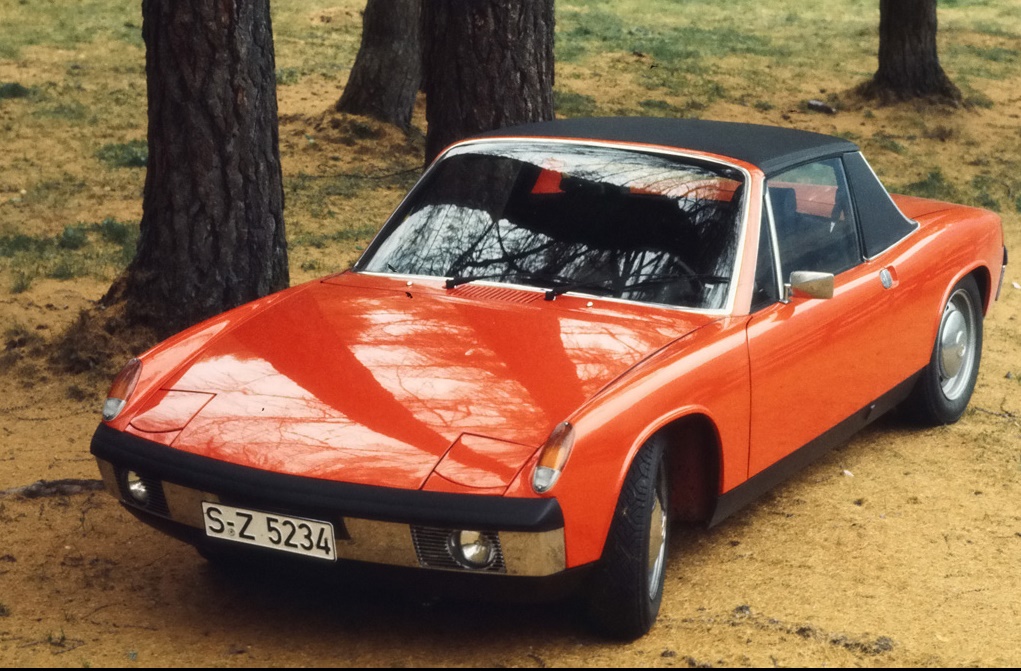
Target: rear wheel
[625, 596]
[945, 387]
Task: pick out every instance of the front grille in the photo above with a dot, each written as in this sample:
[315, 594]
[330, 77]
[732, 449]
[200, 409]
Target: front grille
[433, 550]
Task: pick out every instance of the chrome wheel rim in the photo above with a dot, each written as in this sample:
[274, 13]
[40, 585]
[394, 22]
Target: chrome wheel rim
[957, 345]
[657, 539]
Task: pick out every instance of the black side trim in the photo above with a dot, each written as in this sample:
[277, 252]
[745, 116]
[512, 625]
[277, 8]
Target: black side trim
[276, 490]
[729, 503]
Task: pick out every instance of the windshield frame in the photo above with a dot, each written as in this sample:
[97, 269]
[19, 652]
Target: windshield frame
[743, 218]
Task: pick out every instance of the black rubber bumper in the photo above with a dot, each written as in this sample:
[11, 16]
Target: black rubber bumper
[277, 491]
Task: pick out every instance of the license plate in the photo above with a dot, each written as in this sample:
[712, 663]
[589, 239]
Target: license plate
[270, 530]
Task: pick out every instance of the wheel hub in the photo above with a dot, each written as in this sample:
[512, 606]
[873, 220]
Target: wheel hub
[953, 343]
[657, 544]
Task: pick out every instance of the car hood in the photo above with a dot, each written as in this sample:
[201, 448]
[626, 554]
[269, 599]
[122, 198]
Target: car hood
[376, 381]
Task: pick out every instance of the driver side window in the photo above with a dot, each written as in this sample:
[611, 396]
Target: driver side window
[815, 226]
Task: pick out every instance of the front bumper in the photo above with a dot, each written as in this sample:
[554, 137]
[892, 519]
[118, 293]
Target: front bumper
[377, 525]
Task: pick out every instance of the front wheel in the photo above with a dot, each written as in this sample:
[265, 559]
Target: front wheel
[624, 599]
[945, 387]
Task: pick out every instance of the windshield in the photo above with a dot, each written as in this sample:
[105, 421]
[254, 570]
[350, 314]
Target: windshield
[571, 217]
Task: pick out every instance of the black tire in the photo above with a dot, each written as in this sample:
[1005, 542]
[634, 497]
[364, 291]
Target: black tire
[627, 587]
[944, 389]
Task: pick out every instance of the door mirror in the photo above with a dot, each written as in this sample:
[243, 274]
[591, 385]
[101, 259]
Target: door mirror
[809, 284]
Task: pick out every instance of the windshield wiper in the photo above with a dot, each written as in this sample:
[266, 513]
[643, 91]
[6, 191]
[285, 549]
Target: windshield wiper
[588, 286]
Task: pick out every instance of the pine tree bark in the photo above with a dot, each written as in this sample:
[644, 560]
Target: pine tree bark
[909, 65]
[388, 68]
[488, 64]
[212, 230]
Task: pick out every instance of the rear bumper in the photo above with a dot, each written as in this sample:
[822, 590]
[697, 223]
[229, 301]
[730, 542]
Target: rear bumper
[375, 525]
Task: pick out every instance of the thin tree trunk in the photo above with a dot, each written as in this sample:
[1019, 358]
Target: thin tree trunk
[909, 65]
[489, 64]
[388, 69]
[212, 230]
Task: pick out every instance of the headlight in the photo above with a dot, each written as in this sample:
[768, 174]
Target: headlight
[136, 488]
[473, 549]
[553, 457]
[121, 389]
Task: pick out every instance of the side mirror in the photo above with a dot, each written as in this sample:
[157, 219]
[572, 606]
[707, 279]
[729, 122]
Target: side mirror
[809, 284]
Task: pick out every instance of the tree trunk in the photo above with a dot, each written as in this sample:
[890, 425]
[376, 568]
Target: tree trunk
[212, 230]
[388, 69]
[908, 63]
[488, 64]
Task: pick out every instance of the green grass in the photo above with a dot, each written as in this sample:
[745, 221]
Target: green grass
[323, 240]
[288, 76]
[571, 104]
[887, 142]
[10, 90]
[133, 154]
[80, 250]
[934, 185]
[315, 194]
[66, 25]
[981, 186]
[598, 27]
[67, 110]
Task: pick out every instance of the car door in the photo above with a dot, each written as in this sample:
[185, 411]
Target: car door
[814, 363]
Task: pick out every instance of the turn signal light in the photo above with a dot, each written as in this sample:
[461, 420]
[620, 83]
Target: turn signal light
[121, 389]
[553, 457]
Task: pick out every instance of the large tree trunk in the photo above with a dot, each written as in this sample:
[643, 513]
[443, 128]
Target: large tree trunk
[212, 230]
[388, 69]
[488, 64]
[908, 63]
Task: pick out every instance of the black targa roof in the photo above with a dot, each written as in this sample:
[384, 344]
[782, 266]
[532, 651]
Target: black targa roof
[769, 147]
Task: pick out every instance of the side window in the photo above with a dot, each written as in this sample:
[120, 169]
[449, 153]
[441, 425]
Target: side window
[766, 290]
[815, 227]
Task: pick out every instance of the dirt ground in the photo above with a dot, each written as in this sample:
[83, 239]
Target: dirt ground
[900, 548]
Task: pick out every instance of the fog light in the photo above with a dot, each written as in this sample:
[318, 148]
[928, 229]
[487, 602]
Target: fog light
[136, 488]
[472, 549]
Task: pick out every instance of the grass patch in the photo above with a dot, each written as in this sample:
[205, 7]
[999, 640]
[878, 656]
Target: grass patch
[133, 154]
[67, 25]
[70, 110]
[322, 240]
[314, 193]
[79, 250]
[571, 104]
[887, 143]
[72, 237]
[288, 76]
[4, 610]
[9, 90]
[981, 185]
[651, 107]
[22, 283]
[597, 30]
[934, 185]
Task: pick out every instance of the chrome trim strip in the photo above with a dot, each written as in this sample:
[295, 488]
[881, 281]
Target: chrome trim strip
[781, 288]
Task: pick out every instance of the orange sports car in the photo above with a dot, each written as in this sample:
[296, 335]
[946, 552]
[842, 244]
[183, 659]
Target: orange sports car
[568, 336]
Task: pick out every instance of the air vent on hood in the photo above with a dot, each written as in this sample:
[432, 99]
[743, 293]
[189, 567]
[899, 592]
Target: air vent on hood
[495, 294]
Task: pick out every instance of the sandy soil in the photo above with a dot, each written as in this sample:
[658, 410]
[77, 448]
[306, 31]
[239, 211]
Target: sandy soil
[900, 548]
